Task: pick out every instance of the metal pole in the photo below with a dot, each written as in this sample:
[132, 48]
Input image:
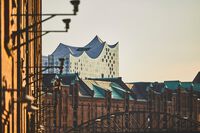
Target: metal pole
[47, 14]
[27, 50]
[27, 63]
[36, 89]
[18, 67]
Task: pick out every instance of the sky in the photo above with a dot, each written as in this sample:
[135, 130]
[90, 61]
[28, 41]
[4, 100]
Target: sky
[159, 40]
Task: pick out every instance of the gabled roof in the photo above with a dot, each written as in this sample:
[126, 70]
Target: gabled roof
[99, 92]
[173, 85]
[186, 85]
[197, 78]
[85, 89]
[117, 91]
[117, 81]
[93, 49]
[196, 87]
[100, 87]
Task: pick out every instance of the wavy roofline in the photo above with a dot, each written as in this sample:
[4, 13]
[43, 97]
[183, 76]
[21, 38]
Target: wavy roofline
[97, 43]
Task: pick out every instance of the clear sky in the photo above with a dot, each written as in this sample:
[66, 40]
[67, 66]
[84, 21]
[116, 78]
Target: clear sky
[159, 39]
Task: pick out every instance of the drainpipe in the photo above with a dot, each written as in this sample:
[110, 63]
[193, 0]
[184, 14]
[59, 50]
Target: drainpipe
[18, 67]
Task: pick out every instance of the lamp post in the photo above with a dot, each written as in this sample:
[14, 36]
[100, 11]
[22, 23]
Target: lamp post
[17, 34]
[75, 4]
[55, 98]
[28, 99]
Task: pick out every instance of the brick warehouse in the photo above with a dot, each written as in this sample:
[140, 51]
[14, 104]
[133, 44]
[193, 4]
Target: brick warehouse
[20, 51]
[21, 63]
[78, 101]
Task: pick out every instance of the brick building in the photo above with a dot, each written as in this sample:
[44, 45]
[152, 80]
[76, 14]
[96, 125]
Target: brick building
[79, 101]
[20, 58]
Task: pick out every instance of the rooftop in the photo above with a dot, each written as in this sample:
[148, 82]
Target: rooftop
[93, 49]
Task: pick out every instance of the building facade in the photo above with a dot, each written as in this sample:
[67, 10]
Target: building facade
[95, 60]
[20, 65]
[81, 100]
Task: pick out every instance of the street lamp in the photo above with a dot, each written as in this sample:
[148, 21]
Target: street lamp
[75, 3]
[67, 21]
[17, 34]
[29, 99]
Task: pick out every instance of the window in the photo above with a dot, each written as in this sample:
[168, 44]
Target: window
[102, 75]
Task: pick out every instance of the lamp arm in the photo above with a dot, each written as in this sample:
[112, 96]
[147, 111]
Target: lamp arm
[31, 26]
[46, 14]
[15, 47]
